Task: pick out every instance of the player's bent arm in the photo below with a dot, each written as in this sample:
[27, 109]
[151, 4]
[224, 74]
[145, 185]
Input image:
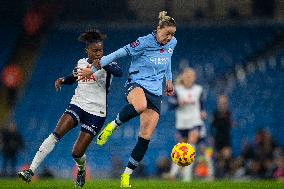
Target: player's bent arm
[201, 101]
[203, 113]
[168, 74]
[69, 79]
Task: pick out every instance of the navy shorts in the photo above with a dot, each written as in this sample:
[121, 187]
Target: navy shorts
[90, 123]
[184, 132]
[153, 101]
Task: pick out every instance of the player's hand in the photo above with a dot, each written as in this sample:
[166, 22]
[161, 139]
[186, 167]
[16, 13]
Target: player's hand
[58, 84]
[203, 115]
[169, 88]
[182, 102]
[84, 73]
[97, 64]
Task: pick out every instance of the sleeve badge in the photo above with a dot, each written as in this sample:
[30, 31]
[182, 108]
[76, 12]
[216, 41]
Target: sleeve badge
[134, 44]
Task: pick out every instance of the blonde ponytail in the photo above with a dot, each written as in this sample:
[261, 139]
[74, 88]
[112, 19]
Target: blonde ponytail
[162, 15]
[165, 20]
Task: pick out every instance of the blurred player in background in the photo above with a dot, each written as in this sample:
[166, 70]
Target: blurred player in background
[151, 62]
[11, 143]
[189, 116]
[222, 124]
[87, 107]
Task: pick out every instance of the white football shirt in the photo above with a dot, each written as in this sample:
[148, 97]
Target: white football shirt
[188, 116]
[90, 95]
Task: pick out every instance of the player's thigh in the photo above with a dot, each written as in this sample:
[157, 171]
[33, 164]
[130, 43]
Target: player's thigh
[64, 124]
[148, 123]
[83, 141]
[193, 135]
[137, 98]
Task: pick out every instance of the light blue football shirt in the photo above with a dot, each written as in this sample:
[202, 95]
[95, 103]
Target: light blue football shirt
[150, 62]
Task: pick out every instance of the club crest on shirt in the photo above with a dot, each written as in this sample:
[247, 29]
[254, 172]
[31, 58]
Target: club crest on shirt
[170, 51]
[134, 44]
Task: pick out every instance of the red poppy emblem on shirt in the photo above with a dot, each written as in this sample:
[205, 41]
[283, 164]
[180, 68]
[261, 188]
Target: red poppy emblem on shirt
[134, 44]
[162, 50]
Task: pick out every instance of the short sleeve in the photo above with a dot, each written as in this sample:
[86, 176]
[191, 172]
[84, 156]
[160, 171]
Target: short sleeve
[137, 47]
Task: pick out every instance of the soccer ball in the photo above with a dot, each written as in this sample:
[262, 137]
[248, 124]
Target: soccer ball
[183, 154]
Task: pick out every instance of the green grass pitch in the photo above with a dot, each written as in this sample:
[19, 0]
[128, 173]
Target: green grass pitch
[146, 184]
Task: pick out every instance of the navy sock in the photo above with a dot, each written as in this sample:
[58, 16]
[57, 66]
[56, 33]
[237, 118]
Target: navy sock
[138, 153]
[56, 135]
[127, 113]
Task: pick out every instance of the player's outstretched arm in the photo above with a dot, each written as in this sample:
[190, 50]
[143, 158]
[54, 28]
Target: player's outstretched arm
[105, 60]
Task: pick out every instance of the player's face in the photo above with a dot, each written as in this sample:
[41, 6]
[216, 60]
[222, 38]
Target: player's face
[165, 34]
[222, 102]
[188, 78]
[95, 51]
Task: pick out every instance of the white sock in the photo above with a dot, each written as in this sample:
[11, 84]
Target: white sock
[128, 171]
[81, 162]
[45, 148]
[186, 173]
[174, 170]
[114, 125]
[210, 169]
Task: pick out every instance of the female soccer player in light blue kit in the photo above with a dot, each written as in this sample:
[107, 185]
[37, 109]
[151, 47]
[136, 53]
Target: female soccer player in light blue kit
[151, 62]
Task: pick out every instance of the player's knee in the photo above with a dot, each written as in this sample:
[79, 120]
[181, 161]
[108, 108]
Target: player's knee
[76, 154]
[193, 139]
[140, 106]
[145, 134]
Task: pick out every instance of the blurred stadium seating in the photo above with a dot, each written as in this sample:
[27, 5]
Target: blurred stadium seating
[255, 102]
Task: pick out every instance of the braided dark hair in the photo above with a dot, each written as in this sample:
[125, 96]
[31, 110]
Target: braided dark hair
[92, 36]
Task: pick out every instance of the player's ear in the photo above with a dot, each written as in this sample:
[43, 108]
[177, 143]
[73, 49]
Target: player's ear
[86, 50]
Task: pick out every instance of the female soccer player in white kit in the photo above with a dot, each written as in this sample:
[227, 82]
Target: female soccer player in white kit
[88, 107]
[189, 116]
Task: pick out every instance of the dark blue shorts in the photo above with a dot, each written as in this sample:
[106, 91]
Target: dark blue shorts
[89, 123]
[153, 101]
[184, 132]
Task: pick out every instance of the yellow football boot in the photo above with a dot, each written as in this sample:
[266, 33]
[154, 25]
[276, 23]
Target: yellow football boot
[124, 182]
[105, 134]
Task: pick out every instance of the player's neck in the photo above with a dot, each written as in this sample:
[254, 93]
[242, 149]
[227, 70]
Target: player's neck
[154, 33]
